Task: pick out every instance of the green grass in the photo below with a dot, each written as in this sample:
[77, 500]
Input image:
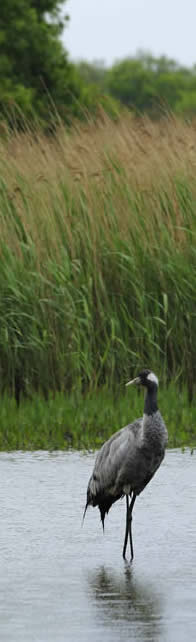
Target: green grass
[86, 422]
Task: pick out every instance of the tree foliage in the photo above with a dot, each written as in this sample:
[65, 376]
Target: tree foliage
[145, 83]
[38, 79]
[34, 68]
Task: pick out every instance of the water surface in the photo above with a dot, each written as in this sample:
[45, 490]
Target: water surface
[59, 581]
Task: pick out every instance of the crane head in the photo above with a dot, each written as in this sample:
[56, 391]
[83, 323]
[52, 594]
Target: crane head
[145, 378]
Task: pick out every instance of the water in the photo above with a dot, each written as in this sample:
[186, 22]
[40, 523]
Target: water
[60, 582]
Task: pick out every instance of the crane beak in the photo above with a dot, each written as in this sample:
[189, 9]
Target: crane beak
[136, 381]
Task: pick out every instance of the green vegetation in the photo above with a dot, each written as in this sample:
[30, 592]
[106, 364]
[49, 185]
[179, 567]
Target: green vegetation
[144, 84]
[39, 83]
[97, 236]
[97, 270]
[76, 421]
[36, 74]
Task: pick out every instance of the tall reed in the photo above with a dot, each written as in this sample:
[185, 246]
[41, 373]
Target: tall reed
[97, 255]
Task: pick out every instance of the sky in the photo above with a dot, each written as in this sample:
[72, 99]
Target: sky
[113, 29]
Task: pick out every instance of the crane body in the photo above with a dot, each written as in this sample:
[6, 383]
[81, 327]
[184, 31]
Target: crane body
[129, 459]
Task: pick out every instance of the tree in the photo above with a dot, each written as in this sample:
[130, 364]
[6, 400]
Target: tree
[93, 73]
[35, 71]
[131, 83]
[146, 84]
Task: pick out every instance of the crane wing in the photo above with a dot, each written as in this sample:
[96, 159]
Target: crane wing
[114, 462]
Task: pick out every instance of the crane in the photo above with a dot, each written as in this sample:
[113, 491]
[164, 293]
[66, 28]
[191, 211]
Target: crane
[128, 460]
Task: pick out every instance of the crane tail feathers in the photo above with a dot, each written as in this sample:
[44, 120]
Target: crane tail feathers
[103, 502]
[84, 513]
[102, 521]
[102, 512]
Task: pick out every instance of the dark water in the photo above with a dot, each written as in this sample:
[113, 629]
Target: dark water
[60, 582]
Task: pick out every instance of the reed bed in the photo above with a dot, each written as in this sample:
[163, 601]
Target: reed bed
[98, 256]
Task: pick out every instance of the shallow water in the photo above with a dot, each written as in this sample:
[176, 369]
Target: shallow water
[59, 581]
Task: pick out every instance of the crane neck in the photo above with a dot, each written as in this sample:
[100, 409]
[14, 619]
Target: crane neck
[150, 405]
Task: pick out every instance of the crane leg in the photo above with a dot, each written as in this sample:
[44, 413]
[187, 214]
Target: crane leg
[128, 529]
[130, 523]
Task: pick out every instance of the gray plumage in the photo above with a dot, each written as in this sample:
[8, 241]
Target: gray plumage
[128, 460]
